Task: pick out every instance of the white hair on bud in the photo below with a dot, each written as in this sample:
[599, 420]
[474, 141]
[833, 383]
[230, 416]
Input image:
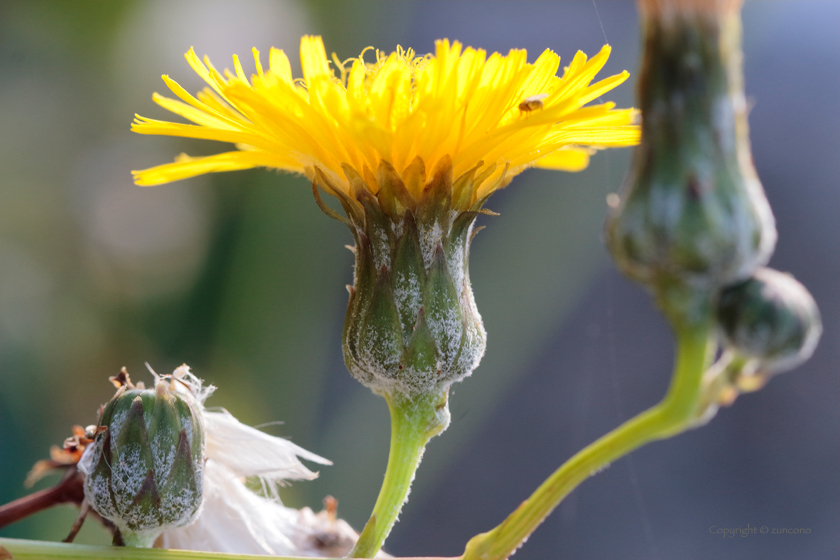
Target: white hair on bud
[183, 381]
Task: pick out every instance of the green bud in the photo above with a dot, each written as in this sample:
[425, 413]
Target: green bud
[770, 317]
[692, 210]
[412, 327]
[145, 472]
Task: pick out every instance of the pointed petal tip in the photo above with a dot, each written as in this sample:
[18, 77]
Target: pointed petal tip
[141, 181]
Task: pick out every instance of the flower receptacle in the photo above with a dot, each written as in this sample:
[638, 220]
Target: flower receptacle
[412, 327]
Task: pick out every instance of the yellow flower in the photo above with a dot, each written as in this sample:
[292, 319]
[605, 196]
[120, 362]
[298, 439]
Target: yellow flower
[491, 116]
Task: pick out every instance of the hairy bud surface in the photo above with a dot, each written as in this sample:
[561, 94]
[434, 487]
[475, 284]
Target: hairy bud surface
[145, 472]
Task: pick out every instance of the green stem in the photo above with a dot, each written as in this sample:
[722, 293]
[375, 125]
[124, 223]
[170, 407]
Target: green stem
[669, 417]
[40, 550]
[139, 540]
[414, 421]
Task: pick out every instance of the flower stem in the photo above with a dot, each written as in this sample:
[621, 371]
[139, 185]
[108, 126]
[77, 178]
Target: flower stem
[670, 417]
[40, 550]
[138, 540]
[414, 421]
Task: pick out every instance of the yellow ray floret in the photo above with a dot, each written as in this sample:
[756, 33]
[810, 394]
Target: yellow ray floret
[498, 112]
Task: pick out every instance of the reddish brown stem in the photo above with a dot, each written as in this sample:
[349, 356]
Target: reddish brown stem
[69, 490]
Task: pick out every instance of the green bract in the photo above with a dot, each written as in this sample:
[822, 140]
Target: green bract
[145, 472]
[412, 326]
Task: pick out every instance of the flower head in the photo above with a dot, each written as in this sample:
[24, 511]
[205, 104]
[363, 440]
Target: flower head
[411, 146]
[493, 116]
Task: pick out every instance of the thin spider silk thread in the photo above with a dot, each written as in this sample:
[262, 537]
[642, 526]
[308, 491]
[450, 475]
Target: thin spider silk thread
[616, 384]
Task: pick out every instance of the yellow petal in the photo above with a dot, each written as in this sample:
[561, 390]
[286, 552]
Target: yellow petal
[565, 159]
[186, 167]
[313, 59]
[458, 104]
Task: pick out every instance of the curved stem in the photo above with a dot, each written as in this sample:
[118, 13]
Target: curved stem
[414, 421]
[669, 417]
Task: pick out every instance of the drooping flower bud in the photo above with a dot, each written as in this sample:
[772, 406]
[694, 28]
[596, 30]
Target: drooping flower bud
[692, 210]
[412, 327]
[771, 318]
[145, 472]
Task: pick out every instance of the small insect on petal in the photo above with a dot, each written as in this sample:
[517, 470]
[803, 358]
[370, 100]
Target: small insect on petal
[532, 103]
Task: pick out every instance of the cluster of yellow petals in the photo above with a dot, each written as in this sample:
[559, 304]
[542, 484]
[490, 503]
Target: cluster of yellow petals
[460, 103]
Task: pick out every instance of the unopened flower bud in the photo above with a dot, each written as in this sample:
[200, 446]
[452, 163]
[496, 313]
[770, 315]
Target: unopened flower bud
[145, 472]
[692, 210]
[770, 317]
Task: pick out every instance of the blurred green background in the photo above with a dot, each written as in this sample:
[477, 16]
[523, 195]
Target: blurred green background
[242, 277]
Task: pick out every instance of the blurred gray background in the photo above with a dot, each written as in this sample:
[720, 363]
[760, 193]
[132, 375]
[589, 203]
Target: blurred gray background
[242, 277]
